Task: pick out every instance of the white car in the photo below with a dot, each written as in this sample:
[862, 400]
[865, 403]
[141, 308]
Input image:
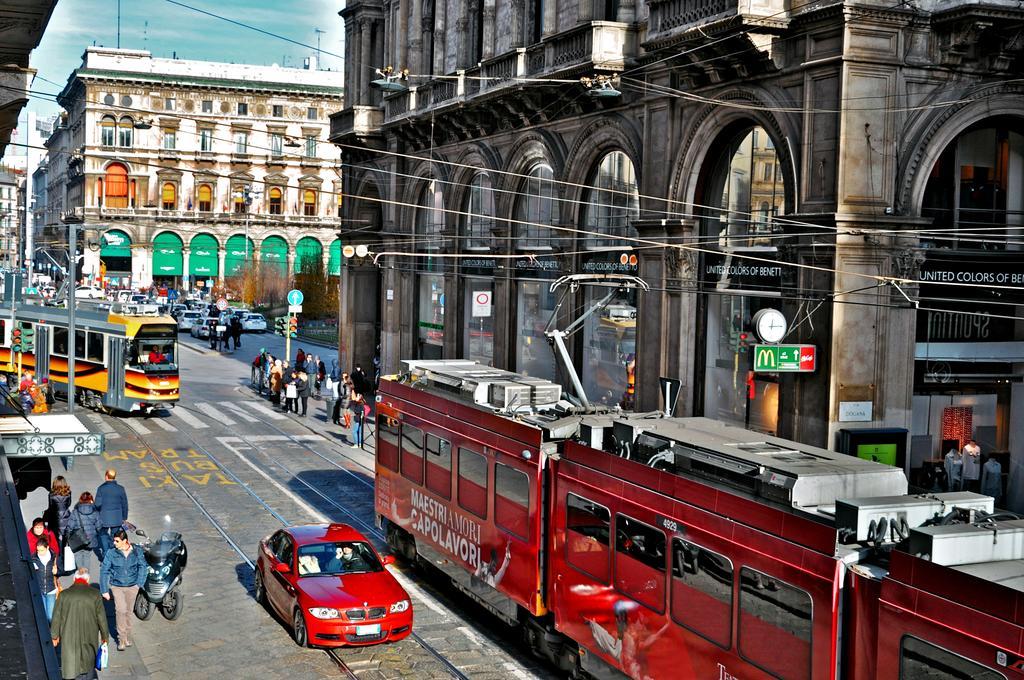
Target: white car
[188, 319]
[89, 293]
[254, 323]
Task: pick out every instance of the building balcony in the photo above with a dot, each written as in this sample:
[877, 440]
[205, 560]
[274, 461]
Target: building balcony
[309, 161]
[597, 46]
[276, 160]
[168, 154]
[674, 21]
[357, 124]
[241, 158]
[206, 157]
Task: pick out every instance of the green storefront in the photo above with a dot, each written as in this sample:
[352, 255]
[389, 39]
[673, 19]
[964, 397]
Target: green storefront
[167, 258]
[116, 256]
[334, 258]
[203, 261]
[237, 254]
[309, 255]
[274, 255]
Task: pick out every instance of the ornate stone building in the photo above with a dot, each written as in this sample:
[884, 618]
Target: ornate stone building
[848, 164]
[185, 172]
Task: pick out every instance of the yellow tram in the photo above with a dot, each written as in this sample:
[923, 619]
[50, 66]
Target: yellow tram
[126, 357]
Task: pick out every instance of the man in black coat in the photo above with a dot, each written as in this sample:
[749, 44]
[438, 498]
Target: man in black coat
[112, 502]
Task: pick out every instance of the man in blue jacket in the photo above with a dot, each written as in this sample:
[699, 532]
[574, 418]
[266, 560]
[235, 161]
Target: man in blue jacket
[122, 574]
[112, 502]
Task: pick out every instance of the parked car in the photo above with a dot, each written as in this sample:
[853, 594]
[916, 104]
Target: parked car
[330, 584]
[186, 320]
[200, 329]
[254, 323]
[177, 309]
[89, 293]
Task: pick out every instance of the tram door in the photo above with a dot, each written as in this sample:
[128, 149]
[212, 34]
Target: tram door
[42, 345]
[115, 369]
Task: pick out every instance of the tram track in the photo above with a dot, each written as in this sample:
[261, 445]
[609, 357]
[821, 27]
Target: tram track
[332, 654]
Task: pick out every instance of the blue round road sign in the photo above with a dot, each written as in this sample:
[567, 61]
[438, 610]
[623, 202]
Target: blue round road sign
[295, 297]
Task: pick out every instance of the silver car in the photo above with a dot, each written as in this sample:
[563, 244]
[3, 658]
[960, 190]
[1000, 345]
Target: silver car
[254, 323]
[186, 320]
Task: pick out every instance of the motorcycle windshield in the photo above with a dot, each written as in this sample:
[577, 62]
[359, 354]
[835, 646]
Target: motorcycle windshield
[158, 552]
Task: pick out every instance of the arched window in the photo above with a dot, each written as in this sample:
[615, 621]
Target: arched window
[534, 208]
[115, 186]
[479, 221]
[107, 128]
[309, 202]
[612, 201]
[238, 196]
[125, 128]
[169, 196]
[430, 307]
[205, 197]
[276, 200]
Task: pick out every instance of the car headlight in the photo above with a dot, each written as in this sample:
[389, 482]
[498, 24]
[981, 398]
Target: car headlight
[400, 606]
[324, 612]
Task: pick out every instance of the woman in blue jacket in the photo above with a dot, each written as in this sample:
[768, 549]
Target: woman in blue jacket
[86, 517]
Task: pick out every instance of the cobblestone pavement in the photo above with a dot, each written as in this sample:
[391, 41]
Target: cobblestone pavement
[251, 468]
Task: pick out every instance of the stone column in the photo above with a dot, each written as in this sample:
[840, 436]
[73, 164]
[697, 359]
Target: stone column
[487, 49]
[221, 252]
[365, 38]
[414, 39]
[402, 37]
[440, 36]
[185, 252]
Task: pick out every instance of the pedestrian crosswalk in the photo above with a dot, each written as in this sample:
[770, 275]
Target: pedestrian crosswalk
[200, 416]
[211, 410]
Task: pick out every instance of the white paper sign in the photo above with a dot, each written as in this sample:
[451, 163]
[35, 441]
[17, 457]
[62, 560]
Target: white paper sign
[482, 303]
[391, 295]
[855, 411]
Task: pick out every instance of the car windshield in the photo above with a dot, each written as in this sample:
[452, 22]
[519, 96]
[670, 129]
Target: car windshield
[335, 559]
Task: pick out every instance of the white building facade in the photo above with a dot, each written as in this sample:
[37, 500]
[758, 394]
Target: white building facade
[189, 173]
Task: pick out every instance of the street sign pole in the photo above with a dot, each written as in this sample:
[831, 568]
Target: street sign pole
[288, 341]
[72, 280]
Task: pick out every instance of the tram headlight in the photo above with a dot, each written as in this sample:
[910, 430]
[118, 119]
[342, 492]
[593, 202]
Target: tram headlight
[400, 606]
[324, 612]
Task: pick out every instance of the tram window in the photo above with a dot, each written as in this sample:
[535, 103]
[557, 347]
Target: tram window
[412, 453]
[94, 347]
[473, 482]
[60, 341]
[588, 530]
[80, 344]
[640, 561]
[775, 625]
[439, 466]
[512, 500]
[920, 660]
[387, 441]
[702, 591]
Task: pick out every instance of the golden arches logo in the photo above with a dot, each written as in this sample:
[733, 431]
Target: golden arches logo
[765, 357]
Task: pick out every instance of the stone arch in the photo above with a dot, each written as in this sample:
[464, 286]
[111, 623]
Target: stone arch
[931, 134]
[530, 148]
[601, 137]
[706, 129]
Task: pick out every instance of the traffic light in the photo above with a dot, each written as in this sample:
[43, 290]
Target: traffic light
[16, 340]
[280, 325]
[28, 337]
[293, 327]
[744, 343]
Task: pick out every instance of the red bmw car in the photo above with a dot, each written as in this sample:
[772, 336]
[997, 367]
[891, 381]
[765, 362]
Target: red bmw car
[329, 582]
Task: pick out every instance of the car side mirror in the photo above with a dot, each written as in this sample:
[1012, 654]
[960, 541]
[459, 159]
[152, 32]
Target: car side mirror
[282, 567]
[388, 559]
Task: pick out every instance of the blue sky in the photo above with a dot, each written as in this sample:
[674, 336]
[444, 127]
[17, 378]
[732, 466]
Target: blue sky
[76, 24]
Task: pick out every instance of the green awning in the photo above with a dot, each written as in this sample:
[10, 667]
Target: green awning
[202, 260]
[167, 255]
[334, 259]
[236, 254]
[116, 244]
[308, 253]
[274, 254]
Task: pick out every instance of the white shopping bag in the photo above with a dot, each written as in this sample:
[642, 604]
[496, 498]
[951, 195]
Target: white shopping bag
[291, 392]
[69, 559]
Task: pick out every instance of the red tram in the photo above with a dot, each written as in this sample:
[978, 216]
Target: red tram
[653, 547]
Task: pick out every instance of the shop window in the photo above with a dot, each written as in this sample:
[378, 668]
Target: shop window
[609, 349]
[588, 536]
[775, 625]
[702, 591]
[478, 326]
[115, 186]
[276, 198]
[612, 202]
[512, 500]
[473, 482]
[412, 453]
[108, 127]
[920, 660]
[535, 303]
[439, 466]
[169, 196]
[387, 441]
[535, 208]
[309, 202]
[479, 218]
[430, 282]
[640, 562]
[205, 197]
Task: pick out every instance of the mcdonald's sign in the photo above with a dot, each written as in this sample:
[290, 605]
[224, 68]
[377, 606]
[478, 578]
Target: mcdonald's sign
[785, 358]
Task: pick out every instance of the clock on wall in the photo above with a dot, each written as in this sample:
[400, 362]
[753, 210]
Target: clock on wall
[770, 325]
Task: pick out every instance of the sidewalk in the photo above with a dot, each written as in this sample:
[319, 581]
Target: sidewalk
[86, 475]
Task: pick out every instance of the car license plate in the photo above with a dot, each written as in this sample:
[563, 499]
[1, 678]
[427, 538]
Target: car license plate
[368, 630]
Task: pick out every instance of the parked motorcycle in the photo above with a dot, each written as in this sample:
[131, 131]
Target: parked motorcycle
[167, 558]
